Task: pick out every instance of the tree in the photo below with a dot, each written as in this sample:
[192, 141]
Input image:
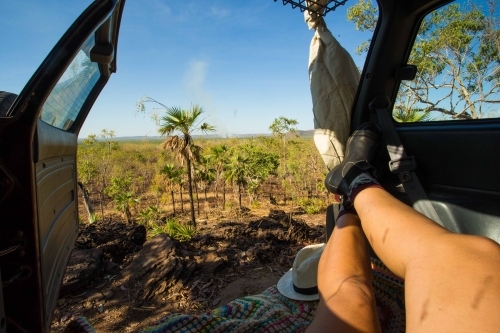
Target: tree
[123, 197]
[179, 124]
[181, 181]
[236, 173]
[220, 157]
[457, 53]
[282, 128]
[365, 16]
[260, 164]
[407, 115]
[172, 175]
[94, 162]
[206, 173]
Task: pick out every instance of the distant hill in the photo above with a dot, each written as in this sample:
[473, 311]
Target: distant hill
[306, 134]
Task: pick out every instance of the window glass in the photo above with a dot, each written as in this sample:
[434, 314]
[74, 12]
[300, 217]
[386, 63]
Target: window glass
[457, 54]
[68, 96]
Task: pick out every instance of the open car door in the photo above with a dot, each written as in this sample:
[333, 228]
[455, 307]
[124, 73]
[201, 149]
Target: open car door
[38, 146]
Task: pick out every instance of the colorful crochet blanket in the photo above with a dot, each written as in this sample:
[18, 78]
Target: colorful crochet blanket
[272, 312]
[267, 312]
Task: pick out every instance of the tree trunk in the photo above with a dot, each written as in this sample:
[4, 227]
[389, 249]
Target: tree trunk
[173, 200]
[206, 203]
[197, 199]
[100, 204]
[239, 195]
[224, 196]
[217, 193]
[128, 215]
[182, 200]
[190, 191]
[86, 201]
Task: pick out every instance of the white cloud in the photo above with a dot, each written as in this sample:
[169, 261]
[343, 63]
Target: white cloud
[196, 92]
[195, 75]
[219, 12]
[194, 83]
[160, 7]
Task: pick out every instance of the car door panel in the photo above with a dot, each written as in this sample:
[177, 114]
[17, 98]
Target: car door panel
[457, 164]
[457, 154]
[56, 204]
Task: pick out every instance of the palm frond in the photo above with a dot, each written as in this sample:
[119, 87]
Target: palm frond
[402, 115]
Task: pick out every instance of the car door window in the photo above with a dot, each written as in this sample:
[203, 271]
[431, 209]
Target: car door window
[457, 56]
[71, 91]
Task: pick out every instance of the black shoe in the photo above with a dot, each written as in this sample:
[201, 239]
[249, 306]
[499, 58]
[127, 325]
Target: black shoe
[360, 149]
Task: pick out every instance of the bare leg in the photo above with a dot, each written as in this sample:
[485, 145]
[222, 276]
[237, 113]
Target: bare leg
[452, 282]
[347, 303]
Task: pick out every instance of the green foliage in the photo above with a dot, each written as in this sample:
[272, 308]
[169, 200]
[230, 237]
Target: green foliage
[179, 124]
[365, 16]
[255, 204]
[248, 167]
[149, 215]
[179, 231]
[281, 126]
[173, 174]
[94, 217]
[312, 205]
[123, 198]
[174, 229]
[260, 164]
[157, 228]
[186, 122]
[87, 171]
[457, 54]
[410, 116]
[119, 185]
[124, 201]
[205, 171]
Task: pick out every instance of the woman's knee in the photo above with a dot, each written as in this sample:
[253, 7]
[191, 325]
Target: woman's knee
[471, 247]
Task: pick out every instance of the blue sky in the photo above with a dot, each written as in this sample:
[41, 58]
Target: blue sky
[245, 62]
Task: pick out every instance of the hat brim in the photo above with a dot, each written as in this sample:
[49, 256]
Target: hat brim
[285, 287]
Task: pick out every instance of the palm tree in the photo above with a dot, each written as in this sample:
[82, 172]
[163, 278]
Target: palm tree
[403, 115]
[180, 181]
[172, 174]
[236, 172]
[179, 125]
[206, 173]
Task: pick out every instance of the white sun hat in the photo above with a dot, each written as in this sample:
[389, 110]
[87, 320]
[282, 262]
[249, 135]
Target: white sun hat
[301, 282]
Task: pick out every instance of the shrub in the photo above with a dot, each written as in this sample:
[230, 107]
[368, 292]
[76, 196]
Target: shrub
[255, 204]
[179, 231]
[312, 206]
[149, 215]
[94, 217]
[176, 230]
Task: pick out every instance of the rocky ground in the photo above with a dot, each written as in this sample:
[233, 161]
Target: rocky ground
[122, 281]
